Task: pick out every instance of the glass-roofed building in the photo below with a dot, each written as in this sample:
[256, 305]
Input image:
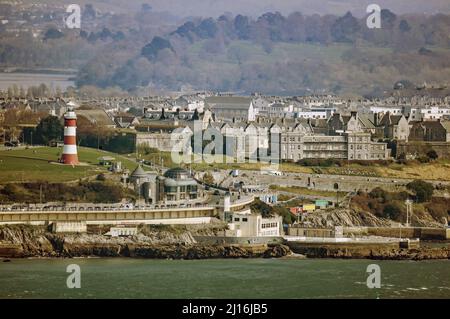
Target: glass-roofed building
[175, 186]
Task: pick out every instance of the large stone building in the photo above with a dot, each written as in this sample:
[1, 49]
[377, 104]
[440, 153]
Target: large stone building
[351, 140]
[294, 140]
[394, 127]
[430, 131]
[349, 145]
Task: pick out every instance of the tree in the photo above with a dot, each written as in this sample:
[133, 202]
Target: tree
[146, 7]
[208, 178]
[345, 28]
[432, 155]
[49, 129]
[195, 116]
[150, 51]
[392, 211]
[404, 26]
[53, 33]
[89, 11]
[379, 193]
[423, 190]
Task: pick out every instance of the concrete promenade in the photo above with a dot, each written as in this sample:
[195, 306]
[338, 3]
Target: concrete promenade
[105, 216]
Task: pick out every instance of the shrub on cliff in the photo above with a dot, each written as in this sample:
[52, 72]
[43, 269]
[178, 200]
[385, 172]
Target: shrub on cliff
[393, 211]
[265, 210]
[380, 194]
[423, 190]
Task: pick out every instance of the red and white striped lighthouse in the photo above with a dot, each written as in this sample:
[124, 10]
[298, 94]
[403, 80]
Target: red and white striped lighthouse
[70, 155]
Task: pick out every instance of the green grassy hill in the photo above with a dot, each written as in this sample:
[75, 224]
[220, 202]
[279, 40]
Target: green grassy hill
[39, 164]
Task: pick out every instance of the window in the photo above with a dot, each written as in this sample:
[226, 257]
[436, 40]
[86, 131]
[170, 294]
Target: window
[192, 188]
[244, 219]
[236, 219]
[170, 189]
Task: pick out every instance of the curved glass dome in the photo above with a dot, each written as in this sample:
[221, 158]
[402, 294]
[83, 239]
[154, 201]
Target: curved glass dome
[177, 173]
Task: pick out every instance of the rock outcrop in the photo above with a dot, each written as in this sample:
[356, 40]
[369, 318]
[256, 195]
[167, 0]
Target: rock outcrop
[380, 253]
[345, 217]
[33, 241]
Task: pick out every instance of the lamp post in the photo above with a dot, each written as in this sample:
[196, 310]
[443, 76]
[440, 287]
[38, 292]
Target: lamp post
[408, 203]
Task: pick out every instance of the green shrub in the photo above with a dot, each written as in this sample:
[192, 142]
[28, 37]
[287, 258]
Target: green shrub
[432, 155]
[423, 159]
[319, 162]
[423, 190]
[393, 211]
[380, 194]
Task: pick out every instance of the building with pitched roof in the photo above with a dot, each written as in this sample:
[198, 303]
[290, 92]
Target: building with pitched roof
[229, 108]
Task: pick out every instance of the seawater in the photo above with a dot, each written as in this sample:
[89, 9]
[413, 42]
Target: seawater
[223, 278]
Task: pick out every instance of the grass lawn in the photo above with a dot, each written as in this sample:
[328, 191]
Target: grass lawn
[439, 170]
[305, 191]
[160, 157]
[36, 164]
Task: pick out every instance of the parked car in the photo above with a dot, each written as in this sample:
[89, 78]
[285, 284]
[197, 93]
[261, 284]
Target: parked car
[12, 144]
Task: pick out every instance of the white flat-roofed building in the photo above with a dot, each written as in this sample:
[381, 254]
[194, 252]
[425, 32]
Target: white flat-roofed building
[246, 224]
[316, 113]
[394, 110]
[434, 113]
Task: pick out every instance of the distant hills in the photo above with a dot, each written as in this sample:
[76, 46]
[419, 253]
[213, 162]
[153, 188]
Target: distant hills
[254, 8]
[293, 54]
[233, 46]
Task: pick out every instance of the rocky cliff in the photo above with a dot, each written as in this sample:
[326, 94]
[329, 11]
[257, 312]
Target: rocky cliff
[33, 241]
[345, 217]
[352, 218]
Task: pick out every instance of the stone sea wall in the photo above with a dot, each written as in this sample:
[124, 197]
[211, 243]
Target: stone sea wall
[369, 251]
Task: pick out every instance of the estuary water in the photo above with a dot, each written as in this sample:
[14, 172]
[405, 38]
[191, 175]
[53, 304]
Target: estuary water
[26, 80]
[223, 278]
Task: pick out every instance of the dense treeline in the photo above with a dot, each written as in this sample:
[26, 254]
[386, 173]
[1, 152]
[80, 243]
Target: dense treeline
[270, 54]
[273, 53]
